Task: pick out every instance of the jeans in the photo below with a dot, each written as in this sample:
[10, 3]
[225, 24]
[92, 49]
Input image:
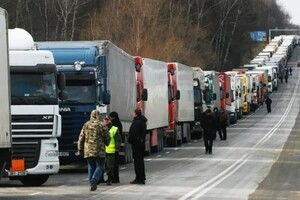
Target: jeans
[95, 168]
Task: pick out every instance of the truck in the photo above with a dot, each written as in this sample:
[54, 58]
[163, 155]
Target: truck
[99, 75]
[172, 137]
[198, 87]
[256, 85]
[272, 76]
[246, 93]
[225, 90]
[185, 115]
[152, 99]
[181, 103]
[5, 114]
[211, 93]
[236, 107]
[36, 123]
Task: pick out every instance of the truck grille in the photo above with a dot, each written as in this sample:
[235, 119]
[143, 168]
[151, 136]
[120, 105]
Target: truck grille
[36, 125]
[71, 127]
[27, 149]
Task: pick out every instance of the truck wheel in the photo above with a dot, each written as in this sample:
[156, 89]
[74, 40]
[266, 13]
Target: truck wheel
[34, 180]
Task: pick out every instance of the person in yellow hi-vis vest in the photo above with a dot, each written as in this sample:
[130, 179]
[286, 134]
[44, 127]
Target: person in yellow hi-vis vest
[115, 142]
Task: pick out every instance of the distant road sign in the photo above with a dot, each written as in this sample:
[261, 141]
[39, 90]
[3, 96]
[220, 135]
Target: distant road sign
[258, 36]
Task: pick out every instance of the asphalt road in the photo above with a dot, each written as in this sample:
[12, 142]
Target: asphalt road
[259, 160]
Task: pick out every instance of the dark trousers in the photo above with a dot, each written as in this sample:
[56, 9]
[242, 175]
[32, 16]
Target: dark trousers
[224, 132]
[218, 129]
[208, 142]
[269, 108]
[109, 166]
[116, 167]
[139, 166]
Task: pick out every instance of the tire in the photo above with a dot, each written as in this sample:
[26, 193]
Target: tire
[34, 180]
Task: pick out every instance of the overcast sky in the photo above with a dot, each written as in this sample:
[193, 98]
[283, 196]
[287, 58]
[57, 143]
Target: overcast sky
[292, 7]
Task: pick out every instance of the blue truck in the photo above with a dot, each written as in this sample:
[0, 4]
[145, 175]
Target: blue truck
[99, 75]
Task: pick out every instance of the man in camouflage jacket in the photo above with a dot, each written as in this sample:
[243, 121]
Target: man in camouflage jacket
[93, 138]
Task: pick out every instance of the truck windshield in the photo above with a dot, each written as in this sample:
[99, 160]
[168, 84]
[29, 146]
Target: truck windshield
[37, 88]
[81, 91]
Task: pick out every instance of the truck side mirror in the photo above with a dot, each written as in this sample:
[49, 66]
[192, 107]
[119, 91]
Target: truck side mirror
[106, 97]
[63, 95]
[61, 81]
[214, 96]
[145, 95]
[178, 95]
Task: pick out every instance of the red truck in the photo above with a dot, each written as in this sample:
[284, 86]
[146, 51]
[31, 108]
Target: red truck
[152, 99]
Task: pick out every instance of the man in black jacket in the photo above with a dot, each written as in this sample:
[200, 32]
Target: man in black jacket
[136, 138]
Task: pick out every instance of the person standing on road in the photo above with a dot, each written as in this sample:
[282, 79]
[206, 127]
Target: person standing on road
[136, 138]
[208, 130]
[216, 116]
[286, 74]
[268, 102]
[114, 117]
[91, 144]
[110, 150]
[224, 123]
[291, 71]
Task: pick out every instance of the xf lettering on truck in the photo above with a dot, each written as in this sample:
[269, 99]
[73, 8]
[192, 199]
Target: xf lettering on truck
[47, 117]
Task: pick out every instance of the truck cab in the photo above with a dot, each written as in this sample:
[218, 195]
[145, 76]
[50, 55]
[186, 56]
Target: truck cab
[36, 124]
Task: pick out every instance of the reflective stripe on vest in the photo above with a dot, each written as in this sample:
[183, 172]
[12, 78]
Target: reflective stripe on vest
[111, 148]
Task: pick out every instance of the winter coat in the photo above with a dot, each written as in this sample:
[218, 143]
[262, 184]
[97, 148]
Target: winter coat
[224, 119]
[137, 131]
[217, 120]
[208, 125]
[268, 101]
[93, 138]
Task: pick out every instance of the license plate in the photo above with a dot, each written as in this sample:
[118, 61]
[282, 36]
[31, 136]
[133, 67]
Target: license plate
[17, 173]
[64, 154]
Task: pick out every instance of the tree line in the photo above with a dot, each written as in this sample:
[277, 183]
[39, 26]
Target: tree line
[211, 34]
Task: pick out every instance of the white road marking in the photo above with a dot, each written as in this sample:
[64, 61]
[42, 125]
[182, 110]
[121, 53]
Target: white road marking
[36, 193]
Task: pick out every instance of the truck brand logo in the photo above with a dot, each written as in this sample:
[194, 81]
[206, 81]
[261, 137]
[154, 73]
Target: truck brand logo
[65, 109]
[47, 117]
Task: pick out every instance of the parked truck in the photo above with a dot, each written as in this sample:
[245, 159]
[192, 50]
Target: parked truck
[199, 87]
[236, 107]
[99, 75]
[181, 104]
[35, 89]
[5, 116]
[212, 90]
[152, 99]
[185, 115]
[173, 131]
[225, 90]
